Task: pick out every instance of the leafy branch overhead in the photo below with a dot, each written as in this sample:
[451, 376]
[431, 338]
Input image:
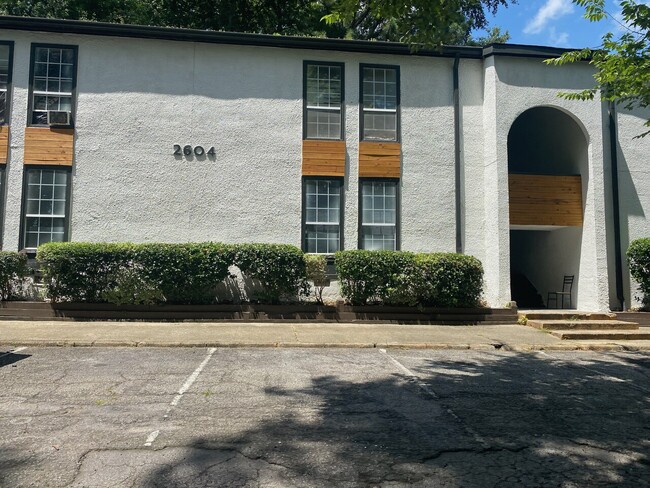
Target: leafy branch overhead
[420, 23]
[623, 62]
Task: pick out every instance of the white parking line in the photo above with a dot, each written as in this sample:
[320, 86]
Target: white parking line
[13, 351]
[186, 386]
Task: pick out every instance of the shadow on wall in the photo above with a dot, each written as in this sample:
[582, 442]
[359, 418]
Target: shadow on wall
[517, 420]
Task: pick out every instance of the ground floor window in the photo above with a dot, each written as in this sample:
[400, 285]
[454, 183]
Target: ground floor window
[322, 219]
[379, 216]
[45, 206]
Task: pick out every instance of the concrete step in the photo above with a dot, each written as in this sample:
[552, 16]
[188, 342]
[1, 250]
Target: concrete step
[582, 325]
[565, 315]
[612, 335]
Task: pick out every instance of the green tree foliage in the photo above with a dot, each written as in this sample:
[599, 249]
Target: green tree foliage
[623, 62]
[420, 23]
[424, 22]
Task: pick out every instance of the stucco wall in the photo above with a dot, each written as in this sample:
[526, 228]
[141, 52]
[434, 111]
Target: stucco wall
[634, 187]
[525, 83]
[136, 98]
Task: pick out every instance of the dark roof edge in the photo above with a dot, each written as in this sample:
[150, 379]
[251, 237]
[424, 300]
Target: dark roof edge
[266, 40]
[523, 50]
[218, 37]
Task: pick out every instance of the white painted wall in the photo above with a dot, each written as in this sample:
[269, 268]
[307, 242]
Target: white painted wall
[527, 83]
[634, 187]
[138, 97]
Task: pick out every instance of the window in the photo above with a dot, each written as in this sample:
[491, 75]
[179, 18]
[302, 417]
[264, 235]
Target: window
[322, 215]
[46, 206]
[52, 84]
[379, 216]
[323, 100]
[379, 103]
[6, 55]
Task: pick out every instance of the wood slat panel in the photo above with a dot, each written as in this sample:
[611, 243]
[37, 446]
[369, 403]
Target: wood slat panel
[380, 159]
[44, 145]
[4, 143]
[323, 158]
[545, 200]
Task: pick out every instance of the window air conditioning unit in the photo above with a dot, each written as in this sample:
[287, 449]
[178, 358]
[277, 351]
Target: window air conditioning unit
[58, 117]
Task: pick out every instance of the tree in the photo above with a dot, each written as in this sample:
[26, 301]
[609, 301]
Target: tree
[420, 23]
[622, 63]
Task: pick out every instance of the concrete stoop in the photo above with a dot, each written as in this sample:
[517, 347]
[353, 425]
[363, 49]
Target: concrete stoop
[574, 325]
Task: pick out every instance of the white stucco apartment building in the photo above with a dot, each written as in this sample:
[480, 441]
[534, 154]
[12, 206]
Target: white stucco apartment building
[129, 133]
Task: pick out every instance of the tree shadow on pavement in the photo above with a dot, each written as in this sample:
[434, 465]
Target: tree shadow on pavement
[501, 419]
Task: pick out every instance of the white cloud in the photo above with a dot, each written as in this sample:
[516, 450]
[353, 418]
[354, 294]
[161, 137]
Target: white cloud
[559, 39]
[551, 10]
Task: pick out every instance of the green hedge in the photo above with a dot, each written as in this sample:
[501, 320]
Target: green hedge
[278, 268]
[403, 278]
[177, 273]
[638, 258]
[13, 271]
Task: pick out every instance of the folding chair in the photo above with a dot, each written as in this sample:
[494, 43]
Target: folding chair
[567, 286]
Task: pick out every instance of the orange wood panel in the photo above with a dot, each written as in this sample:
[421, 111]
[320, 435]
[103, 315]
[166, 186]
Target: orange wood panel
[380, 159]
[323, 158]
[545, 200]
[4, 143]
[44, 145]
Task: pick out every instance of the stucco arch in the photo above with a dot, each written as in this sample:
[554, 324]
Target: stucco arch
[548, 141]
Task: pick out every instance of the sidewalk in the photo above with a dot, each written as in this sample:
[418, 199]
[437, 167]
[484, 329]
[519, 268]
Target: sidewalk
[294, 334]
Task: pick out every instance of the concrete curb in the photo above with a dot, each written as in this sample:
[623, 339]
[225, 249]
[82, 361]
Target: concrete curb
[333, 345]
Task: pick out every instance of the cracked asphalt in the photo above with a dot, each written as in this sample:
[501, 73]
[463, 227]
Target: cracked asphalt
[198, 417]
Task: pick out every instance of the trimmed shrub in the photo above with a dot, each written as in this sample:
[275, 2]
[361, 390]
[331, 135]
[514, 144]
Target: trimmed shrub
[279, 269]
[372, 275]
[316, 270]
[82, 271]
[97, 272]
[185, 273]
[638, 259]
[403, 278]
[13, 271]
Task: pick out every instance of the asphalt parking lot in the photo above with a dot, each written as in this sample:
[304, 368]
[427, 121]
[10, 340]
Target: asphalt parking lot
[188, 417]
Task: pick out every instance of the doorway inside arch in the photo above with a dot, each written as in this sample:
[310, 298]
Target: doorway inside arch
[548, 177]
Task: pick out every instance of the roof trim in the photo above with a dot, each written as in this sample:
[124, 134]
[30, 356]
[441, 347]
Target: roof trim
[218, 37]
[264, 40]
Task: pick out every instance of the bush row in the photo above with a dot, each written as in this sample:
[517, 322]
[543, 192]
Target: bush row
[175, 273]
[126, 273]
[404, 278]
[638, 258]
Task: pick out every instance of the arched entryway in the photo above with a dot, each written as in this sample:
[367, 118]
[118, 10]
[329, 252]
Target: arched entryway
[548, 177]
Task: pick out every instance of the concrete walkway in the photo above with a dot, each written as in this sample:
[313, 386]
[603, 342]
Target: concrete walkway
[294, 334]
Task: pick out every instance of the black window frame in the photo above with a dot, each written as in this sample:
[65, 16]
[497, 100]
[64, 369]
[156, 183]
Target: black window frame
[23, 207]
[398, 102]
[303, 234]
[73, 101]
[398, 209]
[305, 64]
[10, 69]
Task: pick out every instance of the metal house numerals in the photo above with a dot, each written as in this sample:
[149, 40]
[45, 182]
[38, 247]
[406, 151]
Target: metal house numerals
[188, 150]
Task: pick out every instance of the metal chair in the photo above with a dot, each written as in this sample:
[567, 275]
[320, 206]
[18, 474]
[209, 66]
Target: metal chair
[567, 286]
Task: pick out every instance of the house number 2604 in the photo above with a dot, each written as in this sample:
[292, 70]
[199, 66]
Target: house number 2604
[189, 150]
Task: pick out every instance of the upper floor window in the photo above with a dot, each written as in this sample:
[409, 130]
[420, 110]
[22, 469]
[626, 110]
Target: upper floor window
[323, 99]
[52, 84]
[379, 103]
[6, 54]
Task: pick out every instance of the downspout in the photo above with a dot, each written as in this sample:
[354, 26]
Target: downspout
[613, 143]
[457, 159]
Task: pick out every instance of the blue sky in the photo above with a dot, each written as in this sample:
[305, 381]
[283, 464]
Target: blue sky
[556, 23]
